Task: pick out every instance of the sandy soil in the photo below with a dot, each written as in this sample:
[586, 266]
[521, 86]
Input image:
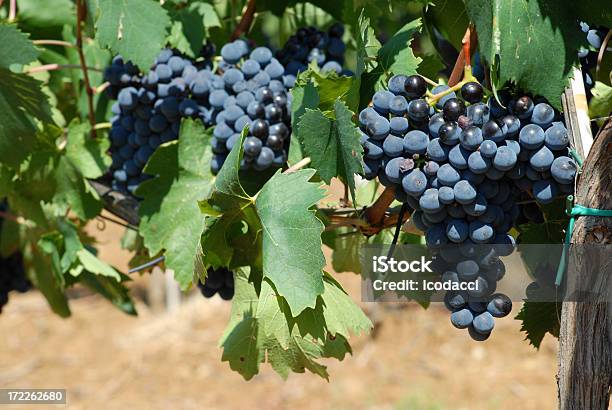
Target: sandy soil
[170, 360]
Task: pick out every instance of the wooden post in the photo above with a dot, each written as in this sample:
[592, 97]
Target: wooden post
[584, 376]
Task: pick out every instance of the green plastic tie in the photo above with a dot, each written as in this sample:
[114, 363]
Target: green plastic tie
[576, 211]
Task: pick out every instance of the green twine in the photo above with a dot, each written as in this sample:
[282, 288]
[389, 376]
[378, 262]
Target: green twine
[576, 157]
[575, 211]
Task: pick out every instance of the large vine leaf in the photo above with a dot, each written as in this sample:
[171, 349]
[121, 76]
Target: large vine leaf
[304, 96]
[171, 220]
[539, 318]
[18, 48]
[332, 144]
[534, 43]
[20, 97]
[232, 226]
[396, 56]
[136, 29]
[190, 27]
[84, 158]
[292, 255]
[261, 328]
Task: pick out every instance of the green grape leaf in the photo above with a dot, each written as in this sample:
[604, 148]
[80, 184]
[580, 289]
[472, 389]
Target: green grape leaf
[332, 144]
[601, 103]
[342, 315]
[87, 154]
[115, 292]
[170, 219]
[35, 14]
[37, 265]
[330, 87]
[226, 209]
[534, 42]
[190, 25]
[396, 56]
[539, 318]
[261, 328]
[84, 158]
[18, 47]
[136, 29]
[304, 96]
[367, 46]
[20, 97]
[347, 250]
[292, 255]
[96, 266]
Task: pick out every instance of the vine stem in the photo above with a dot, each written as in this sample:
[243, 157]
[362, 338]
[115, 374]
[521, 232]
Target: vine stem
[376, 213]
[469, 43]
[11, 217]
[79, 45]
[55, 67]
[602, 49]
[298, 165]
[12, 11]
[245, 22]
[52, 43]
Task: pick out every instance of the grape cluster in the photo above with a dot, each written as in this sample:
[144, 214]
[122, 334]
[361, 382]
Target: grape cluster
[12, 272]
[588, 56]
[219, 281]
[149, 109]
[252, 91]
[310, 44]
[462, 165]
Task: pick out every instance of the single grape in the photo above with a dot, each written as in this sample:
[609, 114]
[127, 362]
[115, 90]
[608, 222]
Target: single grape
[478, 114]
[415, 182]
[398, 125]
[542, 159]
[494, 130]
[563, 170]
[470, 138]
[458, 157]
[532, 136]
[415, 87]
[480, 232]
[488, 149]
[373, 149]
[415, 142]
[505, 159]
[461, 319]
[447, 175]
[381, 100]
[252, 146]
[453, 109]
[457, 230]
[477, 163]
[500, 305]
[397, 83]
[398, 105]
[472, 92]
[449, 133]
[523, 107]
[467, 269]
[435, 122]
[418, 110]
[465, 192]
[483, 323]
[378, 128]
[556, 138]
[393, 146]
[543, 115]
[429, 202]
[437, 151]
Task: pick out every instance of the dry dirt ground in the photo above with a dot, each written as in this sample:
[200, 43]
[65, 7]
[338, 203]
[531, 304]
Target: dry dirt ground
[170, 360]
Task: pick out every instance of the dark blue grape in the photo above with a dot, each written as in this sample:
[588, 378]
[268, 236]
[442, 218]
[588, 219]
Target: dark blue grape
[563, 170]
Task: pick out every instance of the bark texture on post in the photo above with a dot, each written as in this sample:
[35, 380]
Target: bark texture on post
[585, 341]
